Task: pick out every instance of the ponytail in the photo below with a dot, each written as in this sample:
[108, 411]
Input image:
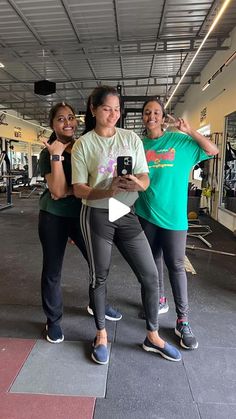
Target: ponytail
[52, 138]
[89, 120]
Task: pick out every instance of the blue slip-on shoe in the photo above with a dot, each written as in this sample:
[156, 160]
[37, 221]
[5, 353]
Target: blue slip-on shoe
[110, 313]
[99, 353]
[168, 352]
[54, 333]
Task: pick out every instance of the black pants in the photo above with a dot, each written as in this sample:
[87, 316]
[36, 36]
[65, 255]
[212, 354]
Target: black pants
[172, 244]
[99, 235]
[54, 232]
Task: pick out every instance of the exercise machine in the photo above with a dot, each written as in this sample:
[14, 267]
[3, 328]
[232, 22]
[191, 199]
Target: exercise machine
[8, 177]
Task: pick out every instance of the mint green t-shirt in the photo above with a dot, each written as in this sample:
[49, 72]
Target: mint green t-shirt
[170, 159]
[94, 162]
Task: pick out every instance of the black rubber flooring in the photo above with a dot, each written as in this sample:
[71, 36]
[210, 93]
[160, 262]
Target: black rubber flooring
[139, 384]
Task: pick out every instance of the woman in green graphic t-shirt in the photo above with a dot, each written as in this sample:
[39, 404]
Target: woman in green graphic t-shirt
[162, 208]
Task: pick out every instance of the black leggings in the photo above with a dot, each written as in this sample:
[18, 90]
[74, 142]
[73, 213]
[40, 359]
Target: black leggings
[99, 235]
[172, 244]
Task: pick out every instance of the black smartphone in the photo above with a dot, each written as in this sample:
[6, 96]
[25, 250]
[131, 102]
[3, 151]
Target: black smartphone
[124, 165]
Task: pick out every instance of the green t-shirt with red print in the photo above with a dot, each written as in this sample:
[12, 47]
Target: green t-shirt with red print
[170, 159]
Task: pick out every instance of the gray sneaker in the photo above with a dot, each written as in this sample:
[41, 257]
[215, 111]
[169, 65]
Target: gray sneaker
[163, 306]
[187, 338]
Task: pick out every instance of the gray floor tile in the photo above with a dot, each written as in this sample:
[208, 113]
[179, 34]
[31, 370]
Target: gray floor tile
[217, 411]
[65, 369]
[78, 325]
[134, 373]
[21, 322]
[125, 408]
[213, 329]
[212, 374]
[139, 384]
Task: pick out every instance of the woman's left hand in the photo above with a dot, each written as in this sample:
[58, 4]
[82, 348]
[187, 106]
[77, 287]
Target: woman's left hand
[182, 125]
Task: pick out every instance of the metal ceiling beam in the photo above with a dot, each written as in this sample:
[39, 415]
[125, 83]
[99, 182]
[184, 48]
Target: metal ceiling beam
[71, 89]
[74, 27]
[118, 33]
[25, 20]
[158, 34]
[37, 36]
[110, 54]
[106, 79]
[73, 45]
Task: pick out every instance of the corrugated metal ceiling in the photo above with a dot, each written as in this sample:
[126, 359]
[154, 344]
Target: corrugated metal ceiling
[143, 45]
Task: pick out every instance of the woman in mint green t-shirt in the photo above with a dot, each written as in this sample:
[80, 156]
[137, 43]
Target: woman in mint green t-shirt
[162, 208]
[94, 158]
[59, 217]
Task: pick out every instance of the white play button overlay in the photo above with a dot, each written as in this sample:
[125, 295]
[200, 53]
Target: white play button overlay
[117, 209]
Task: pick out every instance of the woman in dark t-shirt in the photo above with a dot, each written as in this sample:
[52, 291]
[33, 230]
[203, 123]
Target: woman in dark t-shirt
[59, 217]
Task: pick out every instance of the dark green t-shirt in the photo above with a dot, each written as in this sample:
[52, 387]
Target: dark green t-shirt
[170, 159]
[65, 207]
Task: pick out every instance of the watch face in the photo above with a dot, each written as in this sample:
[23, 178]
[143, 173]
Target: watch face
[55, 157]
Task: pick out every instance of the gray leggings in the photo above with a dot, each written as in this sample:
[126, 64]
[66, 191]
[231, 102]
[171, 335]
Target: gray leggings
[99, 234]
[172, 244]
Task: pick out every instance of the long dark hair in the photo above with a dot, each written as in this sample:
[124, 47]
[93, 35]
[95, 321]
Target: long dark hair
[153, 99]
[96, 99]
[52, 114]
[52, 138]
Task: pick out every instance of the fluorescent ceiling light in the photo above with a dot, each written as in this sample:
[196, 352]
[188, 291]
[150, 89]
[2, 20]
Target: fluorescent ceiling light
[206, 85]
[226, 2]
[2, 65]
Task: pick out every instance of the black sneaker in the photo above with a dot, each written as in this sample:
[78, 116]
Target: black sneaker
[54, 333]
[184, 331]
[110, 313]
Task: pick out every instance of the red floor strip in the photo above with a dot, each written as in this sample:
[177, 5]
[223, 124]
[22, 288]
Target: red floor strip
[13, 353]
[22, 406]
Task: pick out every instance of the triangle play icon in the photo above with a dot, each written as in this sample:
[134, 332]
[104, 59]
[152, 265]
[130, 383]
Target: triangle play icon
[117, 209]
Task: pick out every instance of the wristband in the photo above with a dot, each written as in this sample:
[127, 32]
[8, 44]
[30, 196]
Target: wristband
[56, 157]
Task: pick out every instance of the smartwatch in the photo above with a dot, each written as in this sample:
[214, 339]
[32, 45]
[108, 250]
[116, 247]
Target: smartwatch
[56, 157]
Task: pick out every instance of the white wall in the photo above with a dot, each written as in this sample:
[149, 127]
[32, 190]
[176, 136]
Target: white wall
[220, 100]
